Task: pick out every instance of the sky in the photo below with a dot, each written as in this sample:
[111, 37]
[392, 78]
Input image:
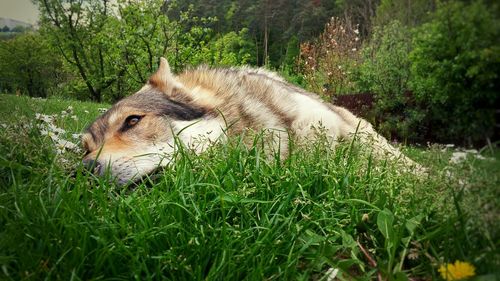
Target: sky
[23, 10]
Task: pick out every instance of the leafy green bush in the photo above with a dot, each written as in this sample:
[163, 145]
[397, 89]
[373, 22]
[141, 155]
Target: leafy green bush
[232, 48]
[29, 66]
[385, 71]
[455, 66]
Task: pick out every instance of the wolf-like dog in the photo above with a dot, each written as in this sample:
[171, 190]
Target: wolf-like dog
[203, 106]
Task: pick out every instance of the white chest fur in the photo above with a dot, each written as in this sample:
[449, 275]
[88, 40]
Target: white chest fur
[199, 134]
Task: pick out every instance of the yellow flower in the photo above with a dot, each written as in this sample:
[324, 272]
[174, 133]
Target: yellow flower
[457, 271]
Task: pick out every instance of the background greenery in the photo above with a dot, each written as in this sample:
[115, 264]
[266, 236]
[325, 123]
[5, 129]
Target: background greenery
[431, 66]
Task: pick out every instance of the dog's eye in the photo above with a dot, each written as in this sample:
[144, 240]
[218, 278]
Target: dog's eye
[132, 120]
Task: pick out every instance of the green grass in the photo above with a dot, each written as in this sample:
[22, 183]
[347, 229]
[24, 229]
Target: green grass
[232, 213]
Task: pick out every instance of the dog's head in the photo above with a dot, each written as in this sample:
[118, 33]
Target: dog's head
[134, 137]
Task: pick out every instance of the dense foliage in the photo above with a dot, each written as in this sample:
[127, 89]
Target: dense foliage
[455, 71]
[29, 65]
[431, 68]
[385, 71]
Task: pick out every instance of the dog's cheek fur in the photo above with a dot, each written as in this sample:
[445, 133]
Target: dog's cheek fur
[138, 151]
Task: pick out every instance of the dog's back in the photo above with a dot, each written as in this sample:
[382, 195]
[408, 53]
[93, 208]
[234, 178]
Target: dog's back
[258, 99]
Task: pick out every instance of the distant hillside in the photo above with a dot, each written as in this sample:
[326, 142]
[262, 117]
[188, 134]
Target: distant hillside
[10, 23]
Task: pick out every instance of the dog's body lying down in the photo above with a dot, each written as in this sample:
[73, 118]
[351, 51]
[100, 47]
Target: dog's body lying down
[203, 106]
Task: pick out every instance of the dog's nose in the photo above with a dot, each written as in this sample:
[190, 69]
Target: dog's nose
[92, 165]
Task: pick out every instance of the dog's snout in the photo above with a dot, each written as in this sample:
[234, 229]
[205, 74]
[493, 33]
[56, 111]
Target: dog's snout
[92, 165]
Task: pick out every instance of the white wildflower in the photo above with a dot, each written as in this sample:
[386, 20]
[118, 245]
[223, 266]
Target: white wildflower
[45, 132]
[354, 49]
[76, 136]
[53, 137]
[74, 117]
[102, 109]
[356, 31]
[45, 118]
[86, 111]
[56, 129]
[64, 144]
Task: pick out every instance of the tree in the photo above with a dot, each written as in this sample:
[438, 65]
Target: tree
[111, 45]
[385, 71]
[5, 29]
[270, 24]
[19, 29]
[143, 35]
[232, 49]
[410, 13]
[358, 12]
[76, 29]
[455, 68]
[28, 64]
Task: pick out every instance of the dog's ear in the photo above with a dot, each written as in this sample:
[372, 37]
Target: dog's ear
[163, 78]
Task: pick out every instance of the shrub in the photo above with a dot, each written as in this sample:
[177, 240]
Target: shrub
[232, 48]
[455, 66]
[328, 62]
[29, 66]
[385, 71]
